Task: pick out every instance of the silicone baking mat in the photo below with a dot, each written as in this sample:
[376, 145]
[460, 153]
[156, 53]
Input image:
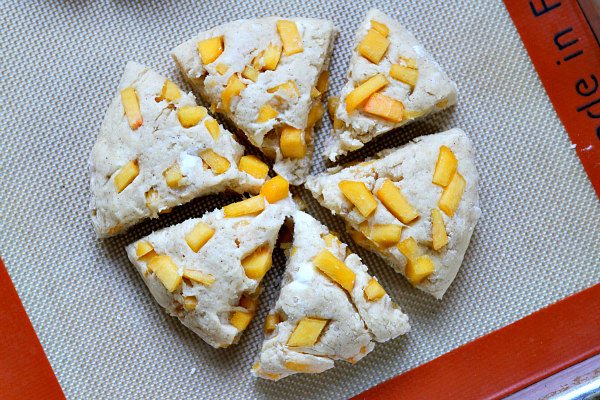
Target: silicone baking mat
[536, 242]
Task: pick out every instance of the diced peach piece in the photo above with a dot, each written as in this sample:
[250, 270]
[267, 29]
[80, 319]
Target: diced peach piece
[439, 237]
[142, 248]
[271, 322]
[330, 239]
[359, 195]
[332, 104]
[253, 166]
[210, 49]
[298, 367]
[189, 116]
[289, 89]
[412, 114]
[199, 276]
[151, 197]
[386, 235]
[314, 93]
[275, 189]
[199, 236]
[374, 291]
[380, 27]
[393, 199]
[131, 105]
[249, 303]
[409, 248]
[419, 269]
[292, 142]
[190, 303]
[385, 107]
[240, 320]
[253, 205]
[266, 113]
[315, 114]
[234, 88]
[169, 92]
[452, 194]
[373, 46]
[441, 104]
[222, 68]
[250, 73]
[166, 271]
[307, 332]
[445, 167]
[323, 82]
[290, 37]
[213, 128]
[258, 262]
[335, 269]
[126, 175]
[404, 74]
[217, 163]
[364, 91]
[409, 62]
[173, 176]
[271, 57]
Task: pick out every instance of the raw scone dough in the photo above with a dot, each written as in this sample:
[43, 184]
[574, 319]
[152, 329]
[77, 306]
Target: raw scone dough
[411, 168]
[159, 143]
[207, 309]
[243, 44]
[352, 323]
[433, 90]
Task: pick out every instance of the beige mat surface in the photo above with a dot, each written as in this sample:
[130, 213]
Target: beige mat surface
[538, 239]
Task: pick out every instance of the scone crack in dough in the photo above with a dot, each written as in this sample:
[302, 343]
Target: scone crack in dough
[392, 80]
[207, 271]
[158, 149]
[268, 76]
[329, 307]
[415, 206]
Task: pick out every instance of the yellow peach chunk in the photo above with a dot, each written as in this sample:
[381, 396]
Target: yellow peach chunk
[234, 88]
[166, 271]
[439, 237]
[452, 194]
[404, 74]
[364, 91]
[330, 239]
[253, 205]
[393, 199]
[409, 62]
[210, 49]
[386, 235]
[169, 92]
[419, 269]
[173, 176]
[258, 262]
[385, 107]
[335, 269]
[445, 167]
[199, 276]
[314, 93]
[190, 303]
[271, 322]
[307, 332]
[250, 73]
[374, 291]
[222, 68]
[288, 88]
[266, 113]
[271, 57]
[359, 195]
[292, 143]
[217, 163]
[131, 105]
[199, 236]
[142, 248]
[240, 319]
[380, 27]
[275, 189]
[254, 166]
[290, 37]
[126, 175]
[323, 82]
[373, 46]
[315, 114]
[409, 248]
[189, 116]
[412, 114]
[299, 367]
[151, 197]
[213, 128]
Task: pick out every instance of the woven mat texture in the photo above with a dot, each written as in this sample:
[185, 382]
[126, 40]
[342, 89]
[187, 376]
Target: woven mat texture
[537, 241]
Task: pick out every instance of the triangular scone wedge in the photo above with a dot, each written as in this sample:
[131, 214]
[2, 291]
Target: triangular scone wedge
[207, 271]
[156, 150]
[329, 307]
[392, 80]
[415, 206]
[267, 76]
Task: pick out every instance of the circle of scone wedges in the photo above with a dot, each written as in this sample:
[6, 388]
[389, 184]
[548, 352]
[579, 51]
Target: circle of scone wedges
[415, 206]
